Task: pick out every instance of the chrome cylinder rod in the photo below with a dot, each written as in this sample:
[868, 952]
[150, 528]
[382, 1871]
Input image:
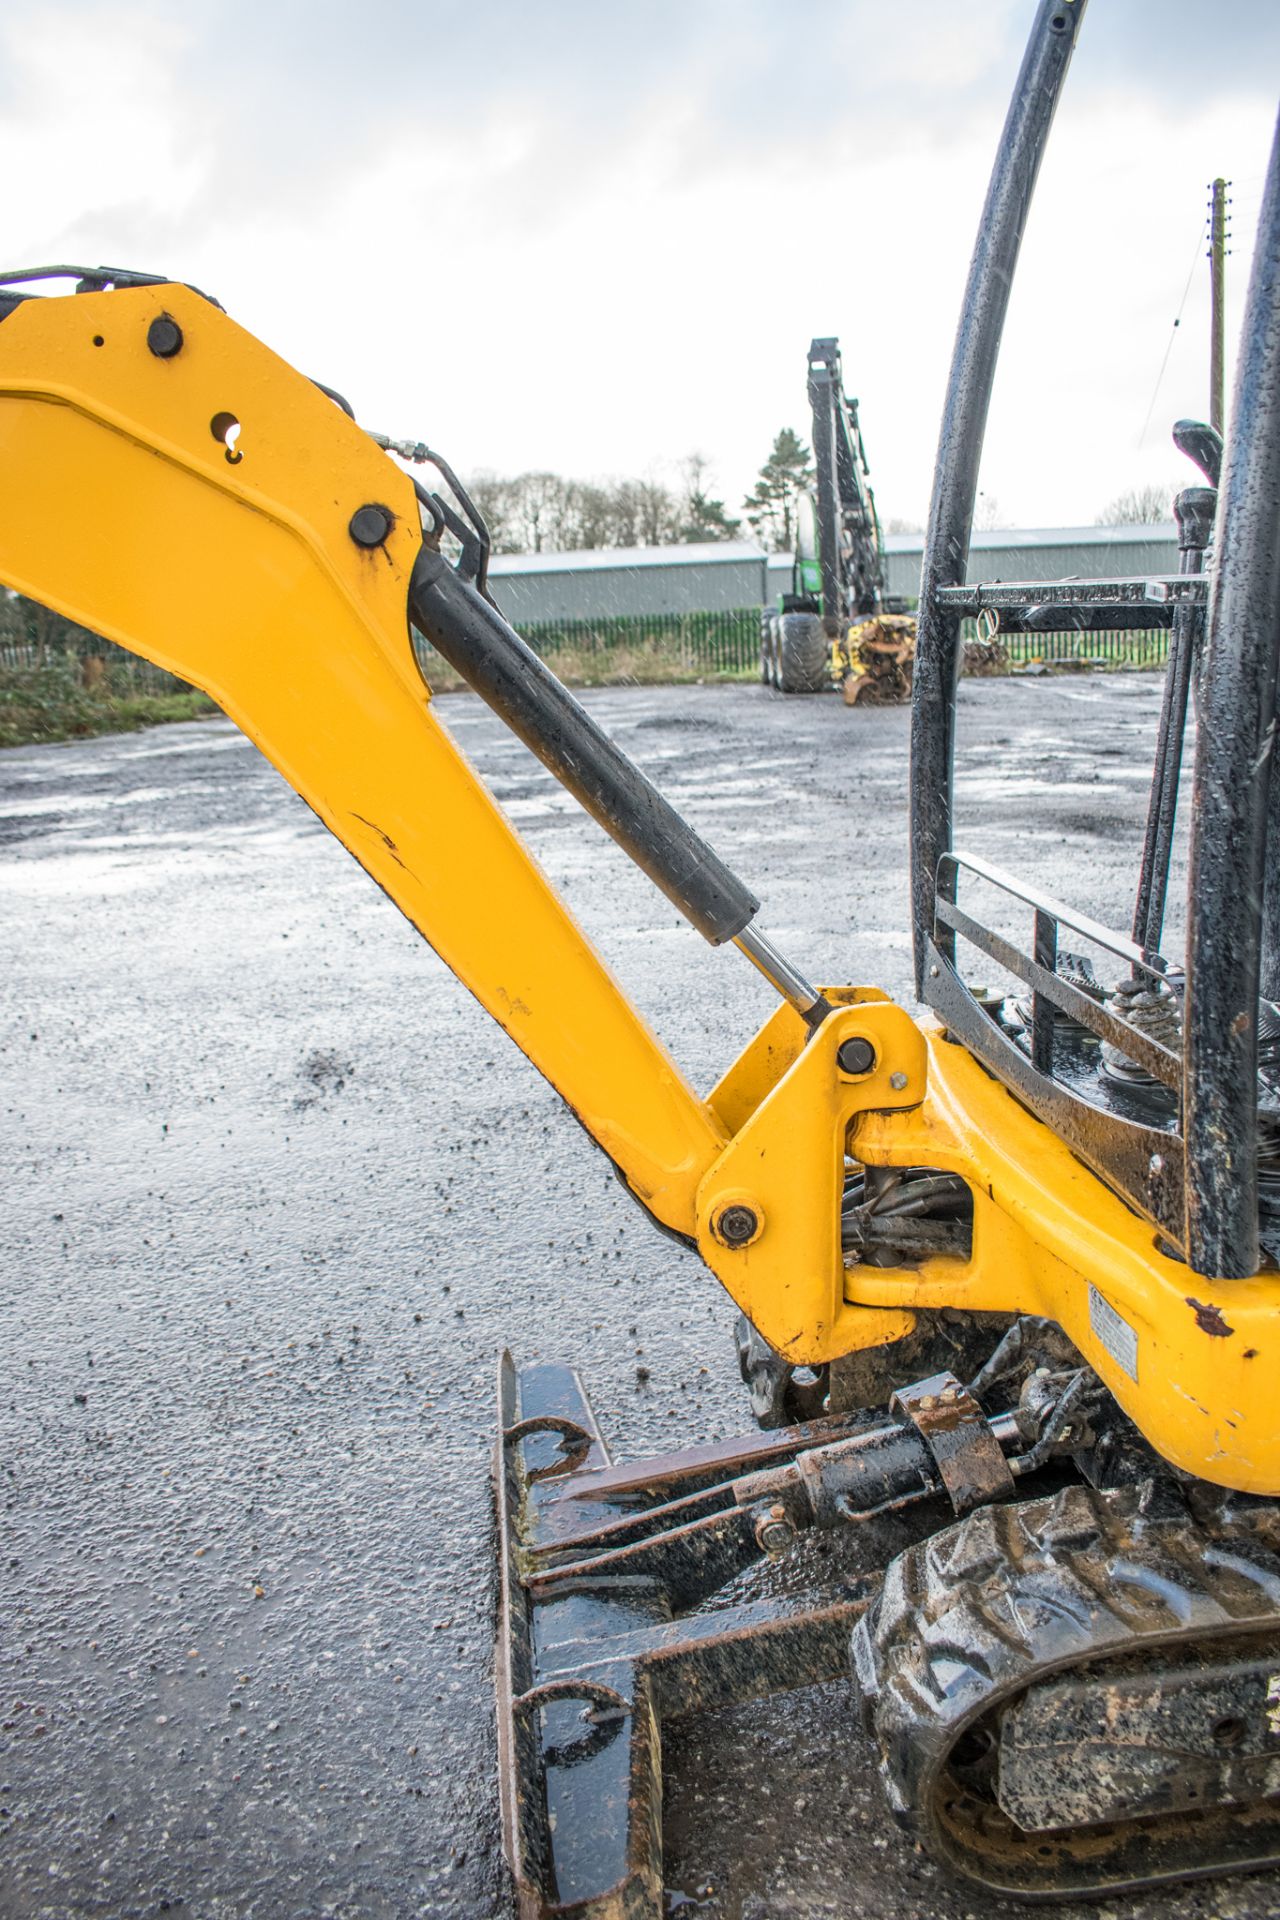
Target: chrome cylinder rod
[782, 976]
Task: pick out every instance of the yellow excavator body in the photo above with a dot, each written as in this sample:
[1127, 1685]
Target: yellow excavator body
[196, 507]
[1071, 1672]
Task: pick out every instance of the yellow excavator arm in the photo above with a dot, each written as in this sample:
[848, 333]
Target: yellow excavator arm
[169, 482]
[210, 508]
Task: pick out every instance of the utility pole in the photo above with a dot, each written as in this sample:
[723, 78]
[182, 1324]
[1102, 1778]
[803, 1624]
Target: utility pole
[1217, 273]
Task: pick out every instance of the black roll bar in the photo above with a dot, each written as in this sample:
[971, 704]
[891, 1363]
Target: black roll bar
[964, 422]
[1233, 778]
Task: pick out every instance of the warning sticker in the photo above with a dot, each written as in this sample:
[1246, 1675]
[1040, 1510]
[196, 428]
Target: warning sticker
[1115, 1333]
[1273, 1704]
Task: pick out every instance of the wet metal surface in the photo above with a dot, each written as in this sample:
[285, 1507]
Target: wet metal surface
[276, 1193]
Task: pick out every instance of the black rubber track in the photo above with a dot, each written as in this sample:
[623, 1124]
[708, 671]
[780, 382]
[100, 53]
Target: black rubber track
[970, 1619]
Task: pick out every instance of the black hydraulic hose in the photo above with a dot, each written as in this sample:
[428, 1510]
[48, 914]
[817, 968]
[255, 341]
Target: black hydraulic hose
[470, 633]
[913, 1196]
[964, 422]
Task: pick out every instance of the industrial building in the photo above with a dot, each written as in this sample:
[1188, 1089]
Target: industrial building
[611, 583]
[1043, 553]
[634, 582]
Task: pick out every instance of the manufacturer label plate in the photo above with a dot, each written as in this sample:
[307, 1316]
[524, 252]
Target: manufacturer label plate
[1115, 1333]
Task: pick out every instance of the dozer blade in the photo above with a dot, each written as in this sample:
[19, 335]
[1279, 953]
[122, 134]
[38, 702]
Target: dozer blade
[601, 1567]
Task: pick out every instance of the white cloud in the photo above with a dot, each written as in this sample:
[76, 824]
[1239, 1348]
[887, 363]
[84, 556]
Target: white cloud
[591, 239]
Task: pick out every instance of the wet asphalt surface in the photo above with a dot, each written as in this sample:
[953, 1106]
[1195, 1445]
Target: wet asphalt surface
[276, 1194]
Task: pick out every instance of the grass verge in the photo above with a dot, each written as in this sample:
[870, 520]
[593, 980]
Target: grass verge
[40, 705]
[614, 666]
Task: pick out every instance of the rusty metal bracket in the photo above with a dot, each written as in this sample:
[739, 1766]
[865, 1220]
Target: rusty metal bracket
[970, 1460]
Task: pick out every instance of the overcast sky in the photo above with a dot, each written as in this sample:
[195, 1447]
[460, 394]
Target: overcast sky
[596, 237]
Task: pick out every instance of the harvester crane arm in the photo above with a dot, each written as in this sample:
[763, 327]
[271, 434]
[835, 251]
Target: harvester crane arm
[849, 546]
[838, 571]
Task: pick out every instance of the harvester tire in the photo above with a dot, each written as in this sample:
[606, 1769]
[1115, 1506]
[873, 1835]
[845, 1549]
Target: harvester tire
[803, 653]
[769, 647]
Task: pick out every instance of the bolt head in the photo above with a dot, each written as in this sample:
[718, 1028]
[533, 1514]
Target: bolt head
[774, 1536]
[164, 336]
[897, 1081]
[370, 525]
[855, 1055]
[736, 1224]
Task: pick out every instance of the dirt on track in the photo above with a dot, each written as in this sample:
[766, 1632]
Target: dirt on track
[277, 1192]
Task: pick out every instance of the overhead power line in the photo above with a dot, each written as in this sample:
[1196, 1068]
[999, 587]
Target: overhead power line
[1173, 331]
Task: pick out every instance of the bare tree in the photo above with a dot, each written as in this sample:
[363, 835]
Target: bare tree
[1139, 507]
[593, 514]
[657, 514]
[498, 501]
[701, 515]
[546, 513]
[626, 514]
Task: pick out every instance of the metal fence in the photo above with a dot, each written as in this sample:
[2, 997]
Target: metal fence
[125, 672]
[726, 641]
[722, 642]
[730, 641]
[1127, 649]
